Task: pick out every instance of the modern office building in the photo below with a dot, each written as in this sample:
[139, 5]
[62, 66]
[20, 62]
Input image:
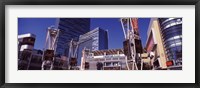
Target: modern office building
[96, 39]
[154, 45]
[70, 28]
[171, 31]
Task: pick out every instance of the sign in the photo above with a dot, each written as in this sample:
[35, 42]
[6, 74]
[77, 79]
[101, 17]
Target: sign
[135, 25]
[169, 63]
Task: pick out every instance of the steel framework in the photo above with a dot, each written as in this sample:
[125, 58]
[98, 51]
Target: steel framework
[129, 26]
[50, 46]
[73, 51]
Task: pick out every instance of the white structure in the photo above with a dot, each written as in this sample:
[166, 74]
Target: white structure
[26, 41]
[25, 47]
[49, 48]
[113, 59]
[130, 30]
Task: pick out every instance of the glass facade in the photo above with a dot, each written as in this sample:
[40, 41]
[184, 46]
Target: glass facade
[96, 39]
[171, 29]
[70, 28]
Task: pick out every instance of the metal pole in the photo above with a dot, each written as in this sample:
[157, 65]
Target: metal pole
[54, 48]
[133, 40]
[123, 28]
[127, 63]
[43, 61]
[83, 59]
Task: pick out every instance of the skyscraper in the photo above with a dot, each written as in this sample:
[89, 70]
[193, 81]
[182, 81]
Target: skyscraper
[171, 30]
[96, 39]
[70, 28]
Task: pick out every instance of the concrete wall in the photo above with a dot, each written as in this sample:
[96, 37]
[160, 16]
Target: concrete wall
[155, 29]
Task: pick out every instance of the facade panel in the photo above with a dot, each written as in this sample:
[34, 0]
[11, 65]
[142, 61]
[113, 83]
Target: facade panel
[155, 46]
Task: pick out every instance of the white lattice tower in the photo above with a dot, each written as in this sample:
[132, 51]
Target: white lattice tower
[50, 44]
[129, 35]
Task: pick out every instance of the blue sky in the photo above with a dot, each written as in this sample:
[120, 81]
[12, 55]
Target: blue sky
[38, 27]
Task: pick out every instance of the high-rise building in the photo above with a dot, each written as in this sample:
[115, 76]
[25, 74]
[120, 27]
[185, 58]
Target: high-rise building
[96, 39]
[154, 44]
[70, 28]
[171, 30]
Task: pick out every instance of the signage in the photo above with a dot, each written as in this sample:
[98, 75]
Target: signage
[169, 63]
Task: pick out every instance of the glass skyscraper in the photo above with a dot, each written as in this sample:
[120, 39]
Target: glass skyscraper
[70, 28]
[171, 30]
[96, 39]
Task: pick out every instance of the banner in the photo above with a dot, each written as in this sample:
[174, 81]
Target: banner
[135, 25]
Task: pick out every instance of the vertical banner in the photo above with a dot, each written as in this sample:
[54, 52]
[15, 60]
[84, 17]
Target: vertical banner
[134, 22]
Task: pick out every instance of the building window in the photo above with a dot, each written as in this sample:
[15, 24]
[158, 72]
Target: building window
[171, 29]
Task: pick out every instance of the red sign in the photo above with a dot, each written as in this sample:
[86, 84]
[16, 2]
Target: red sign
[135, 24]
[150, 43]
[169, 63]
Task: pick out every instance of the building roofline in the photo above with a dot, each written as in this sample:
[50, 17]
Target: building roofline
[26, 35]
[108, 52]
